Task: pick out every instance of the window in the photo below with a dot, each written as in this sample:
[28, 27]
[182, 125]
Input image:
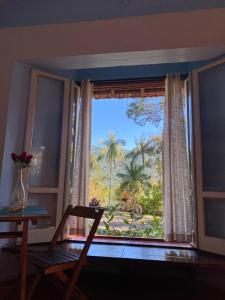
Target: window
[126, 157]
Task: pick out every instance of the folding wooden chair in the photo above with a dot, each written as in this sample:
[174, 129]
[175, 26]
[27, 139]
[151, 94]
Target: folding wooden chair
[56, 260]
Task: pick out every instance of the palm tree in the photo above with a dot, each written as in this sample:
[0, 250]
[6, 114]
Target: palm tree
[113, 152]
[134, 178]
[156, 143]
[143, 149]
[93, 161]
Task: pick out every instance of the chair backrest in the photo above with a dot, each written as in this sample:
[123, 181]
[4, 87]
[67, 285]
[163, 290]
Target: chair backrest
[94, 213]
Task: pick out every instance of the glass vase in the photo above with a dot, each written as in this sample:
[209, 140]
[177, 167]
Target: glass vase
[19, 197]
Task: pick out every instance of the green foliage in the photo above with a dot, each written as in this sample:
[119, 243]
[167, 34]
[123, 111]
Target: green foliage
[109, 214]
[147, 110]
[156, 159]
[134, 179]
[140, 174]
[112, 150]
[143, 149]
[97, 175]
[151, 202]
[153, 230]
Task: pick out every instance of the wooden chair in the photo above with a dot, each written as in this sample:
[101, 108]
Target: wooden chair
[56, 260]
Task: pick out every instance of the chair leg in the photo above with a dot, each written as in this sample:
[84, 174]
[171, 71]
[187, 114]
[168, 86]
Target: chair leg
[71, 289]
[74, 292]
[62, 276]
[82, 296]
[35, 283]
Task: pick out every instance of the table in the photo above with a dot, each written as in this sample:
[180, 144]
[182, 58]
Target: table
[32, 214]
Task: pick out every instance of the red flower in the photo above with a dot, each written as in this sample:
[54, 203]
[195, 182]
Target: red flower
[23, 155]
[13, 156]
[29, 157]
[23, 160]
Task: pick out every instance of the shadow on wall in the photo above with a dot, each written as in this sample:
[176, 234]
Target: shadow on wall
[14, 140]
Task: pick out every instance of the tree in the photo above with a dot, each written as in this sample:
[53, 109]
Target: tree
[147, 110]
[112, 150]
[156, 144]
[134, 179]
[97, 187]
[143, 149]
[93, 161]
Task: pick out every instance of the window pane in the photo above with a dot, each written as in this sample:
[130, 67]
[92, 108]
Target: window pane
[47, 133]
[214, 218]
[212, 107]
[48, 201]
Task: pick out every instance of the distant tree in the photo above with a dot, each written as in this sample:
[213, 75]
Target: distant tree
[146, 110]
[97, 187]
[156, 144]
[93, 161]
[113, 152]
[134, 179]
[143, 149]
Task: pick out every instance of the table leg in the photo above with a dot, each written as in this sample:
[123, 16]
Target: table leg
[23, 262]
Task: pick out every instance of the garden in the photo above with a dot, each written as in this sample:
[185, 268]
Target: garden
[127, 181]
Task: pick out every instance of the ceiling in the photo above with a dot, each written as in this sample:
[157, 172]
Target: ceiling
[130, 58]
[42, 12]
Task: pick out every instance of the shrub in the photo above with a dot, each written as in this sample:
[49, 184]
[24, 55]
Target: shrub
[155, 230]
[151, 202]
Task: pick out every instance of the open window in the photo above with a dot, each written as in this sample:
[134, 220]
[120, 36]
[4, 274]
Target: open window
[50, 111]
[209, 141]
[126, 165]
[46, 139]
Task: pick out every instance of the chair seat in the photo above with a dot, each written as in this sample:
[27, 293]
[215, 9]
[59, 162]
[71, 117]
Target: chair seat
[55, 261]
[51, 260]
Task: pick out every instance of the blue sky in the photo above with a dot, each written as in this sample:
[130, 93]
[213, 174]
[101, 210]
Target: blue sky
[109, 115]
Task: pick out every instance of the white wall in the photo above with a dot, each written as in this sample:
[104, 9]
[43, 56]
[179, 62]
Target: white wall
[118, 35]
[16, 120]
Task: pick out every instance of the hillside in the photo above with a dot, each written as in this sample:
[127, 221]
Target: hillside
[118, 168]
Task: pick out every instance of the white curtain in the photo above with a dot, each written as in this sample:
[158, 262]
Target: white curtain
[77, 179]
[177, 200]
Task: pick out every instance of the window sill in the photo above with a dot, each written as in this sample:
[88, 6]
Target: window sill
[131, 241]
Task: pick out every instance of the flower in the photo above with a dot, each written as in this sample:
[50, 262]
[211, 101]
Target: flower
[23, 160]
[29, 157]
[23, 155]
[94, 202]
[13, 156]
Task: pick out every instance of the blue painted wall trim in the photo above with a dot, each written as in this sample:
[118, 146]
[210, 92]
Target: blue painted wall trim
[41, 12]
[133, 72]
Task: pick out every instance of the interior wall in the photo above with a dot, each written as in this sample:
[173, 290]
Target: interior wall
[147, 33]
[14, 140]
[16, 123]
[16, 120]
[33, 12]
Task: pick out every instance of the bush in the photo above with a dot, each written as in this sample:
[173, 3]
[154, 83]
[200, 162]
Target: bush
[151, 202]
[154, 230]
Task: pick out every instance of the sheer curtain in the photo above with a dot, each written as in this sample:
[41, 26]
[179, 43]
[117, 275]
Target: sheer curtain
[177, 200]
[77, 179]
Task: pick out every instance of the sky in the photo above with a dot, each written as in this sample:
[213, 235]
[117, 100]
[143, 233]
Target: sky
[109, 115]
